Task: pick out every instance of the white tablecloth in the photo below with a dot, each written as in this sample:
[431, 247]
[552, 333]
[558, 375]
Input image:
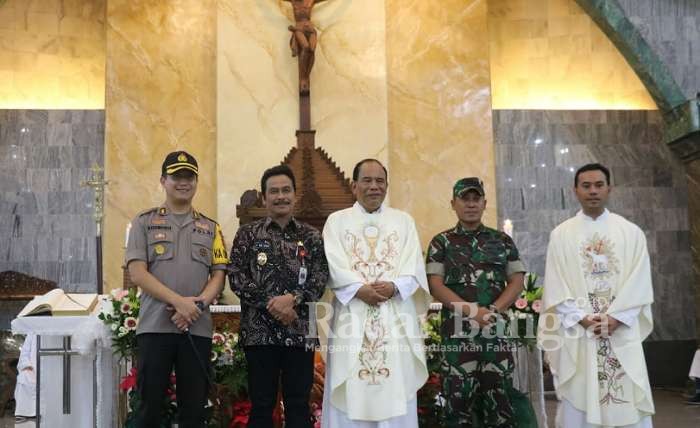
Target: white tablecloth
[84, 331]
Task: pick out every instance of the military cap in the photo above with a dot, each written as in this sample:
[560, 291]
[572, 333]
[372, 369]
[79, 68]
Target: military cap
[464, 185]
[177, 161]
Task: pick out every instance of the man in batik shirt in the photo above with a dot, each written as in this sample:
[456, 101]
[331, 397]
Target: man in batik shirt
[476, 272]
[277, 267]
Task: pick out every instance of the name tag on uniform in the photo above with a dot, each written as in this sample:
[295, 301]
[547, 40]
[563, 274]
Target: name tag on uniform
[302, 275]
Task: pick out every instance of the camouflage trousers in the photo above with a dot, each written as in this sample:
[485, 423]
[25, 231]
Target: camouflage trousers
[477, 376]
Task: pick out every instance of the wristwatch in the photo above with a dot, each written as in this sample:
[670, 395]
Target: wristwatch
[298, 299]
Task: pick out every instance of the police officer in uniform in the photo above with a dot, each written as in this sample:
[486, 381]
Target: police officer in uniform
[177, 257]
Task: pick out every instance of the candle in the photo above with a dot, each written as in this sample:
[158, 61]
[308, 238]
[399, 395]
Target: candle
[508, 227]
[126, 236]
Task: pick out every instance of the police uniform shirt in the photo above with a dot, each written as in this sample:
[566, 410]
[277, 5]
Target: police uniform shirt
[181, 255]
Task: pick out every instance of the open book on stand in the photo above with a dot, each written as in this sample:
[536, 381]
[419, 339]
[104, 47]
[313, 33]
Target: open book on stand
[58, 303]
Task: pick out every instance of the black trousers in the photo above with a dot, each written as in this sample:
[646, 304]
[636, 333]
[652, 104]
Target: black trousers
[158, 354]
[295, 367]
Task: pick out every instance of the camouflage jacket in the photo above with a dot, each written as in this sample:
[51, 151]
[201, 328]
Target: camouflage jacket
[474, 264]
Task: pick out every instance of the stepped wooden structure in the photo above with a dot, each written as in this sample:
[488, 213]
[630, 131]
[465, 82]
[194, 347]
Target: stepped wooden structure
[322, 187]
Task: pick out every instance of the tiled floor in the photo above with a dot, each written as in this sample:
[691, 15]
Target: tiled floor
[670, 412]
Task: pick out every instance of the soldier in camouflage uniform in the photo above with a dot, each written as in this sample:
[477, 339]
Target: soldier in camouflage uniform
[477, 269]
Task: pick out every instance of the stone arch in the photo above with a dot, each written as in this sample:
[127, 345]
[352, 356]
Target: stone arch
[612, 20]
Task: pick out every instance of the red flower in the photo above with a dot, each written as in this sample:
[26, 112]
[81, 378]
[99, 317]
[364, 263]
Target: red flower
[241, 413]
[434, 379]
[129, 381]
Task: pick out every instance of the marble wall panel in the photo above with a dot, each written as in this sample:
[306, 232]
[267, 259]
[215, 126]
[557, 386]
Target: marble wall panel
[650, 189]
[672, 29]
[46, 217]
[8, 312]
[693, 174]
[161, 97]
[440, 126]
[257, 101]
[548, 54]
[52, 54]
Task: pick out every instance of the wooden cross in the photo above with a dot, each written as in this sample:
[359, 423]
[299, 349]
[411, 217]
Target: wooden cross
[303, 45]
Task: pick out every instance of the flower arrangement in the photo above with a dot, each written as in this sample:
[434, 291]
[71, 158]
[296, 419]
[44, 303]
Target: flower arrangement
[229, 405]
[229, 362]
[128, 386]
[121, 312]
[524, 315]
[229, 394]
[431, 402]
[317, 391]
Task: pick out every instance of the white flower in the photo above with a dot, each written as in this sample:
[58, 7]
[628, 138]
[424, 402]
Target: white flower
[217, 338]
[214, 355]
[130, 323]
[122, 331]
[114, 326]
[126, 308]
[440, 401]
[107, 308]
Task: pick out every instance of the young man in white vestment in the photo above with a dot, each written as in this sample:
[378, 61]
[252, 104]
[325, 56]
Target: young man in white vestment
[597, 311]
[376, 356]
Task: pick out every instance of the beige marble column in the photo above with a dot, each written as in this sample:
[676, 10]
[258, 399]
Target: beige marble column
[52, 54]
[257, 105]
[550, 55]
[160, 97]
[439, 107]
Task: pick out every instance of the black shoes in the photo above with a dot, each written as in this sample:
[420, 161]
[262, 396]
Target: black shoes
[694, 400]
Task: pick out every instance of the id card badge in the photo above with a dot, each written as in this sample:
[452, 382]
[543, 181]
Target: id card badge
[302, 275]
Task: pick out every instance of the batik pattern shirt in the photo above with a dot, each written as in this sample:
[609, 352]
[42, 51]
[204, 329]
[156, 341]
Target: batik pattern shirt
[268, 261]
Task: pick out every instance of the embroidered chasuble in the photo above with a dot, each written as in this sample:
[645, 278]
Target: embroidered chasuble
[376, 358]
[598, 266]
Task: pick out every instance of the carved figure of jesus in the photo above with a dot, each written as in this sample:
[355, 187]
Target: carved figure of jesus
[303, 40]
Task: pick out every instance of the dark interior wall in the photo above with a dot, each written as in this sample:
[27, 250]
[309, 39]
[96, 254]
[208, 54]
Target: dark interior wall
[46, 224]
[537, 153]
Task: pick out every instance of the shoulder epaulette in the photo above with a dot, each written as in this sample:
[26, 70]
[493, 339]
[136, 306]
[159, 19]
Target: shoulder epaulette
[148, 211]
[197, 213]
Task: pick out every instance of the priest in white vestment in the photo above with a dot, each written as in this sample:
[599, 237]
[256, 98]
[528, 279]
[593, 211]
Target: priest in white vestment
[25, 389]
[597, 311]
[694, 374]
[376, 357]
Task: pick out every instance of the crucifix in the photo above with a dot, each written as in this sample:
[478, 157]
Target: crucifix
[303, 44]
[97, 183]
